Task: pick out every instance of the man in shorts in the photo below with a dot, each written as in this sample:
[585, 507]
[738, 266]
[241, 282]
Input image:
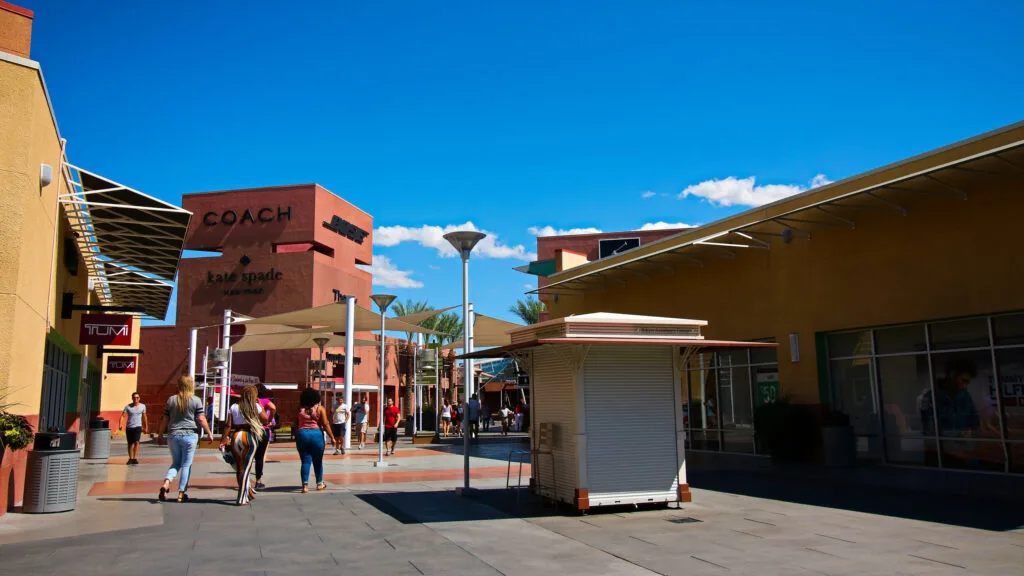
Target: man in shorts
[338, 424]
[391, 417]
[360, 411]
[137, 424]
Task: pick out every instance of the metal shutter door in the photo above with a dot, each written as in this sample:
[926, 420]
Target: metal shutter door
[553, 402]
[631, 444]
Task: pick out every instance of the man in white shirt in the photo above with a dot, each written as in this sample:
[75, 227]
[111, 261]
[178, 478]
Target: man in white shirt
[339, 423]
[360, 413]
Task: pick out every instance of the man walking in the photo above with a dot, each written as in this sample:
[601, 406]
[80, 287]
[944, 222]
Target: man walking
[474, 417]
[137, 424]
[339, 424]
[391, 416]
[360, 411]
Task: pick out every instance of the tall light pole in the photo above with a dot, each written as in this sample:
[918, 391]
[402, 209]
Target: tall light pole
[321, 342]
[463, 241]
[382, 301]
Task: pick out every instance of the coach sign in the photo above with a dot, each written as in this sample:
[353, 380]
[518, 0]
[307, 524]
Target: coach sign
[121, 364]
[106, 330]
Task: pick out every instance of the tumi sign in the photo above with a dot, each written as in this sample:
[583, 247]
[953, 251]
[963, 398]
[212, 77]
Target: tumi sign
[106, 330]
[121, 364]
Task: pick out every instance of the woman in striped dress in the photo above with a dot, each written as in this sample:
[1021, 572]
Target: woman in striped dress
[243, 434]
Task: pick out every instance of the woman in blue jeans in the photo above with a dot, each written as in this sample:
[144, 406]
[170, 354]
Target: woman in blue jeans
[183, 415]
[309, 437]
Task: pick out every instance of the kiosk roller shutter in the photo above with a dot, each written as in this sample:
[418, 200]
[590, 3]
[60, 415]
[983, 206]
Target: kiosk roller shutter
[629, 401]
[553, 401]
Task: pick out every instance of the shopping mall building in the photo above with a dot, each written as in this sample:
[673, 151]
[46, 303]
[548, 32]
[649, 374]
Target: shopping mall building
[883, 291]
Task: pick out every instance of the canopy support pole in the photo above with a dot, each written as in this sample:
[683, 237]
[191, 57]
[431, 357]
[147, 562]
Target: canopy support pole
[350, 336]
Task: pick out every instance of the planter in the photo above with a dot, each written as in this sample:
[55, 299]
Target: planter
[840, 446]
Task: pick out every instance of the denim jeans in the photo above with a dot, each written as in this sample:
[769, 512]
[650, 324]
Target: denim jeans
[310, 444]
[183, 448]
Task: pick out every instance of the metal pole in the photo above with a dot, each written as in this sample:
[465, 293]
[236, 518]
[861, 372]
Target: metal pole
[415, 385]
[467, 367]
[380, 398]
[192, 354]
[350, 336]
[225, 368]
[437, 392]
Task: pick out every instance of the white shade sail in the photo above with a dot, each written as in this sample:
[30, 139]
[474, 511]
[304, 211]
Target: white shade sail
[489, 331]
[260, 337]
[421, 316]
[331, 317]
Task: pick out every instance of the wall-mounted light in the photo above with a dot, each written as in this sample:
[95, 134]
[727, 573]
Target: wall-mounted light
[794, 347]
[45, 175]
[787, 235]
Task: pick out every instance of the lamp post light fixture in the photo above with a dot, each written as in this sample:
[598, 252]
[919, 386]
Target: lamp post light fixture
[382, 301]
[463, 241]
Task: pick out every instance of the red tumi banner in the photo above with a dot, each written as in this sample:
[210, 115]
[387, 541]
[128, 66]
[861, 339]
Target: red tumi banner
[122, 364]
[106, 330]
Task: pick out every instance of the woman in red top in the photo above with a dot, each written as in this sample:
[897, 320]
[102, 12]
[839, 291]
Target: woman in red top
[309, 437]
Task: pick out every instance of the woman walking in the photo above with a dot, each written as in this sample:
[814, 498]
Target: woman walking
[270, 410]
[244, 433]
[446, 418]
[183, 415]
[309, 439]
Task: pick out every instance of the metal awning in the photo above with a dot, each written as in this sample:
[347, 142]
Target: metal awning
[944, 173]
[130, 241]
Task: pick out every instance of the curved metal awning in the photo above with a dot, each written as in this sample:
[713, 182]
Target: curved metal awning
[131, 242]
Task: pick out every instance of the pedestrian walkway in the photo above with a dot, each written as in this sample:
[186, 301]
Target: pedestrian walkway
[407, 519]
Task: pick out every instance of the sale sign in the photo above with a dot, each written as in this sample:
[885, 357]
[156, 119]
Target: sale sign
[121, 364]
[106, 330]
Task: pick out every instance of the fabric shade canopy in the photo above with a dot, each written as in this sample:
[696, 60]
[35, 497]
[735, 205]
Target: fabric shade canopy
[421, 316]
[489, 331]
[276, 337]
[331, 317]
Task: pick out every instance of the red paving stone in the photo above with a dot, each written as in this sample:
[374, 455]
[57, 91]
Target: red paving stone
[294, 456]
[115, 488]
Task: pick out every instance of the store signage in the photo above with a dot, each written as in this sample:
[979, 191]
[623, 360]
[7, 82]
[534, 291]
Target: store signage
[243, 282]
[251, 215]
[340, 359]
[121, 364]
[106, 330]
[346, 229]
[243, 380]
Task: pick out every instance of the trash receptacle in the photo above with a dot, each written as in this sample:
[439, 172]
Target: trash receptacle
[51, 476]
[97, 441]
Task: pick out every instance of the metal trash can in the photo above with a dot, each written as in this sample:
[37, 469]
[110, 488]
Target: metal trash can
[97, 441]
[51, 478]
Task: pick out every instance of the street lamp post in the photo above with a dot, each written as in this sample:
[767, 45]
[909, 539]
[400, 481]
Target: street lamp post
[321, 342]
[382, 301]
[463, 241]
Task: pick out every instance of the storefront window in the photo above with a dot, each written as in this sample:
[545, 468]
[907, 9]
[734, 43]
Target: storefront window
[947, 394]
[722, 390]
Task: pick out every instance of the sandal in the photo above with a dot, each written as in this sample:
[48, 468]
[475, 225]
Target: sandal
[163, 494]
[321, 486]
[305, 489]
[182, 497]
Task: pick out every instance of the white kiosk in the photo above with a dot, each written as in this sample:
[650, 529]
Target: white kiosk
[606, 421]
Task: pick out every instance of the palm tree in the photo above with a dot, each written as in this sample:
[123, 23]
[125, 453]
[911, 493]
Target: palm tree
[410, 307]
[528, 310]
[448, 324]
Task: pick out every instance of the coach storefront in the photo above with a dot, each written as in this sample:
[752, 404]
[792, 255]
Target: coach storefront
[891, 296]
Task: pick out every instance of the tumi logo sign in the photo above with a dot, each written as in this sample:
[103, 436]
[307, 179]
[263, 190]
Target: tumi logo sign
[106, 330]
[121, 364]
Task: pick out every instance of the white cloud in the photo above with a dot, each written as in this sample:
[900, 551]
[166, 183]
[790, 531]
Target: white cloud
[648, 194]
[734, 191]
[433, 237]
[551, 231]
[528, 286]
[432, 267]
[387, 275]
[665, 225]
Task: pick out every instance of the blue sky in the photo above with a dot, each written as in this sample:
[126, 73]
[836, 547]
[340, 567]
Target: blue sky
[513, 115]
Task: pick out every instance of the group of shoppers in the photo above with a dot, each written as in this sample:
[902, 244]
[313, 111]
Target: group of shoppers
[247, 433]
[452, 415]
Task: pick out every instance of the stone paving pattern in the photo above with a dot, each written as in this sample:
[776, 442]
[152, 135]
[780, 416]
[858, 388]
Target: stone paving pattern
[404, 520]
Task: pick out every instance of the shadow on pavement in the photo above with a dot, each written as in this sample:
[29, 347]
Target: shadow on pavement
[485, 504]
[971, 512]
[490, 448]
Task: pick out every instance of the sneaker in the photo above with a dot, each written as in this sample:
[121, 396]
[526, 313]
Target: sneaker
[392, 451]
[336, 452]
[129, 462]
[135, 461]
[260, 486]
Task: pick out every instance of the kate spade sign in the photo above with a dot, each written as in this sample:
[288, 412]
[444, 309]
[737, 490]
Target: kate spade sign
[239, 283]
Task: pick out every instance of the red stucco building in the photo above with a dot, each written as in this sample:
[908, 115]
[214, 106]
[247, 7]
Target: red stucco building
[281, 248]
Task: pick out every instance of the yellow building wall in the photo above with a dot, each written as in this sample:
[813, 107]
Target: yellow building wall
[947, 258]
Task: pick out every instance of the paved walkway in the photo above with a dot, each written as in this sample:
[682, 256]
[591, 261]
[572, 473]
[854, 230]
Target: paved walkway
[407, 519]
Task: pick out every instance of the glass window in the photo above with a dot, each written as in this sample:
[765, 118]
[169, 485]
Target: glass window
[849, 344]
[853, 392]
[1010, 363]
[900, 339]
[904, 383]
[734, 397]
[740, 441]
[965, 410]
[764, 355]
[1008, 330]
[971, 333]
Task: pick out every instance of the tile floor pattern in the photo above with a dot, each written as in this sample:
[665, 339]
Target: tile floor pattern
[413, 523]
